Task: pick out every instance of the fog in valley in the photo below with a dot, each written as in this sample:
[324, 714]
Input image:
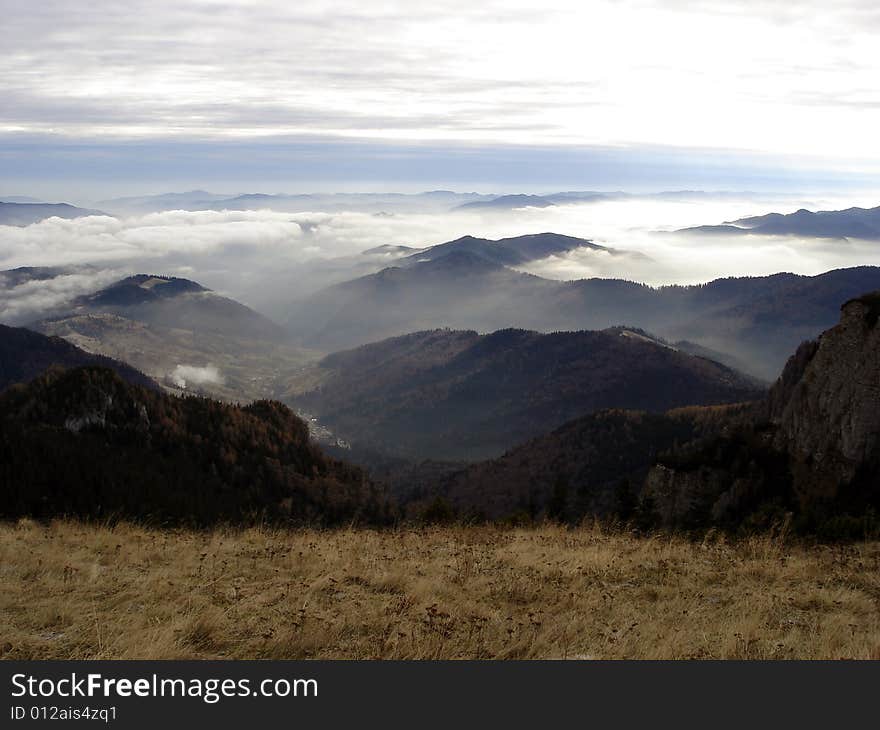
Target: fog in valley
[270, 259]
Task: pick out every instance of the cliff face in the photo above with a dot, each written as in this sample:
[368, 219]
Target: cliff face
[828, 422]
[814, 449]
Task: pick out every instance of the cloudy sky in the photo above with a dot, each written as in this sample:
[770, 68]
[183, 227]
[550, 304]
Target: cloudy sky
[142, 95]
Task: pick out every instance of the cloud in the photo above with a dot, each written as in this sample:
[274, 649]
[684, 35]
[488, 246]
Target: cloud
[29, 300]
[193, 376]
[500, 72]
[271, 260]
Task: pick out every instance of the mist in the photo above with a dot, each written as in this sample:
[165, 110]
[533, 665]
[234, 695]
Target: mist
[193, 376]
[270, 260]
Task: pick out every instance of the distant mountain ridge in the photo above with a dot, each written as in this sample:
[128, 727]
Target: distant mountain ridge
[512, 251]
[440, 200]
[434, 200]
[508, 201]
[756, 321]
[25, 214]
[862, 223]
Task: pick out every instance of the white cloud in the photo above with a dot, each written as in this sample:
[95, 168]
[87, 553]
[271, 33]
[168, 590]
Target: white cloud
[31, 299]
[796, 77]
[190, 376]
[270, 260]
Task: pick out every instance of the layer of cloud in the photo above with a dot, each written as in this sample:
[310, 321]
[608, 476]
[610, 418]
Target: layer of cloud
[744, 75]
[271, 260]
[29, 300]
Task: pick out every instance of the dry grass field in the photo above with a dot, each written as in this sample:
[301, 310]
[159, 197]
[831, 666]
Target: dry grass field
[77, 591]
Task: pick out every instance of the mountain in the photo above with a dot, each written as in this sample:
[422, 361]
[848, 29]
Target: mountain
[513, 251]
[459, 290]
[468, 284]
[182, 334]
[850, 223]
[180, 303]
[24, 214]
[812, 451]
[446, 394]
[86, 443]
[434, 200]
[806, 454]
[465, 283]
[508, 202]
[142, 204]
[24, 355]
[389, 250]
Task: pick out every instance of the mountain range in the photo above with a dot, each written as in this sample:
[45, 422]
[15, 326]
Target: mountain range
[754, 321]
[575, 424]
[24, 214]
[435, 200]
[862, 223]
[808, 451]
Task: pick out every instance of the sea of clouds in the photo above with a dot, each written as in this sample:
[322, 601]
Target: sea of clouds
[270, 259]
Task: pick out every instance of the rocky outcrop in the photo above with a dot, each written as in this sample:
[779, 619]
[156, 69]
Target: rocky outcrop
[813, 450]
[829, 421]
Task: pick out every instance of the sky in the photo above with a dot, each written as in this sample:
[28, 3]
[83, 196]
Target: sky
[140, 96]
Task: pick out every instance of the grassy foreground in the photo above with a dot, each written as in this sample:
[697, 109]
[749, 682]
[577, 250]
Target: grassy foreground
[78, 591]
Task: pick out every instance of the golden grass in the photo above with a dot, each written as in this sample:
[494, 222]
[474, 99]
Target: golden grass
[77, 591]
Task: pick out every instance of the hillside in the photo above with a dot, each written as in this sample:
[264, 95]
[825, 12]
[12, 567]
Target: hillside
[592, 466]
[808, 449]
[85, 443]
[24, 355]
[446, 394]
[813, 451]
[181, 334]
[178, 303]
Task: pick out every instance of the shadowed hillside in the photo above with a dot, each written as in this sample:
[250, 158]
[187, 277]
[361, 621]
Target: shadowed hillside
[592, 466]
[808, 451]
[84, 442]
[25, 354]
[447, 394]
